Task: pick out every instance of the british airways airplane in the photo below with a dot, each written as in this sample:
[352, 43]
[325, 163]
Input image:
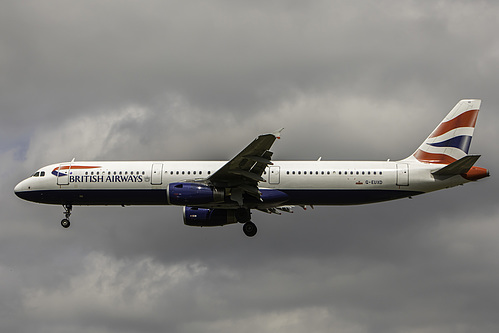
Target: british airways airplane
[218, 193]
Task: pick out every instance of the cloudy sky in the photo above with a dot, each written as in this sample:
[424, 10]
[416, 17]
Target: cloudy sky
[194, 80]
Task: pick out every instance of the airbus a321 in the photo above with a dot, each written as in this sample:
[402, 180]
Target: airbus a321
[217, 193]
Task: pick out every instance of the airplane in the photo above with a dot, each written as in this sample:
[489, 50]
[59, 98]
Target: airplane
[217, 193]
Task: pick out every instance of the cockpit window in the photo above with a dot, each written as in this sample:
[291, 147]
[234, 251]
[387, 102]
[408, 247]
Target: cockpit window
[37, 174]
[42, 174]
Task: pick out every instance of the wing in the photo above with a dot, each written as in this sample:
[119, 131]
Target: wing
[242, 173]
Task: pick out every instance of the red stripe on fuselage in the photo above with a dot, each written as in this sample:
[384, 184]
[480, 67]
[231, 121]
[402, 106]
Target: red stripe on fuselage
[466, 119]
[66, 167]
[73, 167]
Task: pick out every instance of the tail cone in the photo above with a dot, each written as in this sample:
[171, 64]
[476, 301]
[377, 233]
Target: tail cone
[476, 173]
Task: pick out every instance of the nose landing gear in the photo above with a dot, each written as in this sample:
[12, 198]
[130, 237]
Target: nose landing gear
[67, 213]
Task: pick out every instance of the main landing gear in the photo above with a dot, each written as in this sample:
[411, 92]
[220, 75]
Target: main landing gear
[243, 215]
[67, 213]
[249, 229]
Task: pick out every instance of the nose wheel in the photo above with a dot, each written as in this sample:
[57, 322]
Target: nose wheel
[67, 213]
[65, 223]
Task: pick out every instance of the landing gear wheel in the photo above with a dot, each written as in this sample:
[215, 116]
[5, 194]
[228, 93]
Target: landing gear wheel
[65, 223]
[249, 229]
[67, 213]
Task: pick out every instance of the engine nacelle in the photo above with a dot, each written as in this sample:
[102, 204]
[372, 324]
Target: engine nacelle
[193, 194]
[204, 217]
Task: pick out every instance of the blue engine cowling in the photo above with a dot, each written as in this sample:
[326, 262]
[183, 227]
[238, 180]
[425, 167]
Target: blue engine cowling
[193, 194]
[204, 217]
[273, 196]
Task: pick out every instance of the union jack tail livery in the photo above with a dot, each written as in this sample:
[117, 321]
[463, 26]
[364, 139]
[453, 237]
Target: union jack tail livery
[451, 140]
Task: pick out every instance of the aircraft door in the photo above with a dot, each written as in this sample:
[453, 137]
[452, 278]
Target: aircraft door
[402, 174]
[156, 174]
[274, 174]
[63, 174]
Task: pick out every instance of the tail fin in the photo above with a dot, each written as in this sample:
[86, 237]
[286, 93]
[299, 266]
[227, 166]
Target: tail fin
[451, 140]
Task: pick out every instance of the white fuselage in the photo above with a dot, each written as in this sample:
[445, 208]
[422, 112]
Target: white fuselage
[305, 182]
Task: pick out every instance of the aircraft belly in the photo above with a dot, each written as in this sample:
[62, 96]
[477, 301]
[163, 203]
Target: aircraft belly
[97, 196]
[344, 196]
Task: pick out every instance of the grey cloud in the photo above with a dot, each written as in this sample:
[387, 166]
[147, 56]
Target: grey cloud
[194, 80]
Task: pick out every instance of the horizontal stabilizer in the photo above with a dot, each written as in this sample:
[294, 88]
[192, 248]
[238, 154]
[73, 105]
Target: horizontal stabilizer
[458, 167]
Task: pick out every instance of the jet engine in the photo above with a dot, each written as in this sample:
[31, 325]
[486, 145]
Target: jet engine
[193, 194]
[204, 217]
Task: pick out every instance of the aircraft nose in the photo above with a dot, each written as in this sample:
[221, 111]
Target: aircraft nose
[17, 189]
[20, 189]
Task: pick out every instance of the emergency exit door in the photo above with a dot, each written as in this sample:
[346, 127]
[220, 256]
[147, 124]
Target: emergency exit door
[274, 176]
[402, 174]
[156, 174]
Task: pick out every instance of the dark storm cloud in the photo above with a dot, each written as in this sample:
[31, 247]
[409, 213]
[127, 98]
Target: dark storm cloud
[199, 80]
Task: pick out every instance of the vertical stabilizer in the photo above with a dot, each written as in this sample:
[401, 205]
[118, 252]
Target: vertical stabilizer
[451, 140]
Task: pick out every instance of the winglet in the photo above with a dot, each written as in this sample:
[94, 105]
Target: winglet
[277, 133]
